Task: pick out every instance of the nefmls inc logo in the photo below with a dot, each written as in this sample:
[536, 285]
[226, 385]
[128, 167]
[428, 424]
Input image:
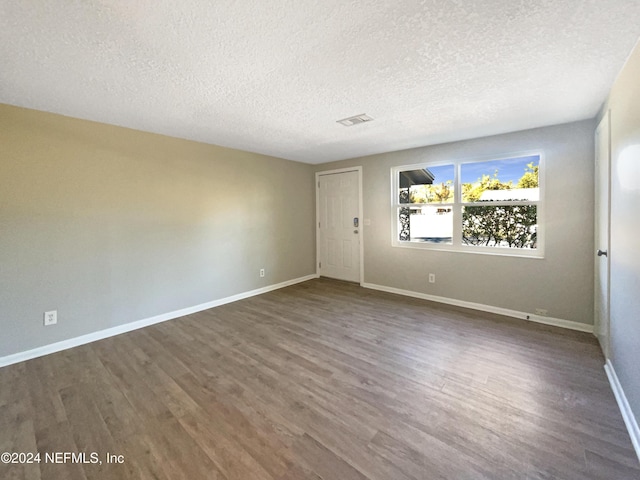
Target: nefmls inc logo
[72, 457]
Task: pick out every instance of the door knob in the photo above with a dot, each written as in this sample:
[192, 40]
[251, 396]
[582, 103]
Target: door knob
[355, 231]
[602, 252]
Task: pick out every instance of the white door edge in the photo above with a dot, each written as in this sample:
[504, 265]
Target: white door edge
[603, 334]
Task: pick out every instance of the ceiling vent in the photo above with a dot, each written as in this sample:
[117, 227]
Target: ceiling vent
[347, 122]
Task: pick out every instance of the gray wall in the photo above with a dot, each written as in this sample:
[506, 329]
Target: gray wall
[624, 247]
[562, 282]
[110, 225]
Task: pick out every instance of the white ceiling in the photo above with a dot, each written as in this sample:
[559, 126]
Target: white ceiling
[273, 76]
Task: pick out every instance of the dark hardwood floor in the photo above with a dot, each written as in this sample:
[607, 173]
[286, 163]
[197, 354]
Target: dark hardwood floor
[321, 380]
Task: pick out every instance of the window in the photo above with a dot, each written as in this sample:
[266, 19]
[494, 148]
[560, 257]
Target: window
[486, 206]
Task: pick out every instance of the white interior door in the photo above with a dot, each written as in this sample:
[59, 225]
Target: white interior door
[602, 200]
[339, 225]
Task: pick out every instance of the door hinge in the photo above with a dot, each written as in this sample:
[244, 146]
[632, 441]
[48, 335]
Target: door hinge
[318, 184]
[319, 264]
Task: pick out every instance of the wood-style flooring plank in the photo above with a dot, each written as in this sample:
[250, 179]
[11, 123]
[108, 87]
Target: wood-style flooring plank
[322, 380]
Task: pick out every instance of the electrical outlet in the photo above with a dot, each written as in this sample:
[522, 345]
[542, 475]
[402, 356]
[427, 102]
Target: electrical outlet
[432, 278]
[262, 272]
[50, 318]
[542, 312]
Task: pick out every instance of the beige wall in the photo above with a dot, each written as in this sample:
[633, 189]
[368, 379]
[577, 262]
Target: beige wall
[624, 247]
[110, 225]
[561, 283]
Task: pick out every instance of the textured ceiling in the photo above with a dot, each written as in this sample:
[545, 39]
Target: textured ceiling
[273, 76]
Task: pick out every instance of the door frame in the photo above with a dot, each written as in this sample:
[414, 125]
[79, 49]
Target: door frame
[603, 334]
[360, 216]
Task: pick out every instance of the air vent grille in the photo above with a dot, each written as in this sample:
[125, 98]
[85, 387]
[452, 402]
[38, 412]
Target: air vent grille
[356, 119]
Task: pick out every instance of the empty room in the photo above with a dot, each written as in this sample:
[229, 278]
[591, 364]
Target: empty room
[388, 240]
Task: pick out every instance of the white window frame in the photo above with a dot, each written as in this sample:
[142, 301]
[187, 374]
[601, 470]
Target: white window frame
[457, 205]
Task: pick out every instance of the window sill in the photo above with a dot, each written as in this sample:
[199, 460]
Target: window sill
[500, 252]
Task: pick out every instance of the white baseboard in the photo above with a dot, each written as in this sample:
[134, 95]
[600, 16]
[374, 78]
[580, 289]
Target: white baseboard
[127, 327]
[627, 415]
[556, 322]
